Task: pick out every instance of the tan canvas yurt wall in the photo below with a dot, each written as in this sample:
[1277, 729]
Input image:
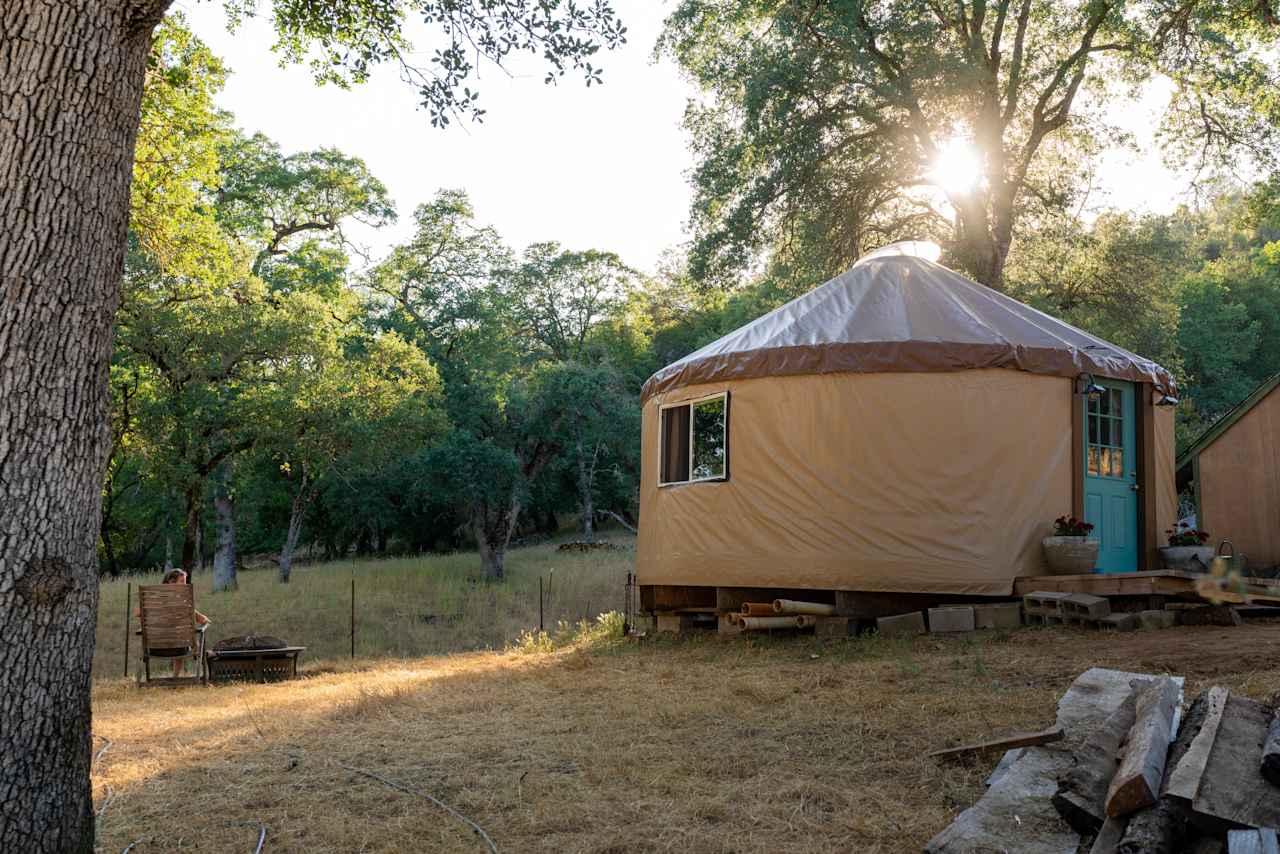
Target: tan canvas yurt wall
[1165, 476]
[1239, 482]
[921, 482]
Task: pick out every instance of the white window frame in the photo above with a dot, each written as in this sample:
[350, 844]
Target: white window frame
[662, 450]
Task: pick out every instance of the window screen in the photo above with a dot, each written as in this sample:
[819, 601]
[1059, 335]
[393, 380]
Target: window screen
[695, 441]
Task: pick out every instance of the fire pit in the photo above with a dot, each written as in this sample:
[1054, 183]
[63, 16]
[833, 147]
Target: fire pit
[251, 658]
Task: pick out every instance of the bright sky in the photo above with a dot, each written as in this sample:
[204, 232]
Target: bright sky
[602, 167]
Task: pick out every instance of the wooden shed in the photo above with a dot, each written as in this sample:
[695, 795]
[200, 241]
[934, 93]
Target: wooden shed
[1233, 471]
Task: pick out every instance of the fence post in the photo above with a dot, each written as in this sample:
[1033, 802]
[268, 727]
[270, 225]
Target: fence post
[128, 606]
[353, 617]
[540, 604]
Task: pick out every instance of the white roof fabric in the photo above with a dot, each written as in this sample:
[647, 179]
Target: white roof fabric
[897, 312]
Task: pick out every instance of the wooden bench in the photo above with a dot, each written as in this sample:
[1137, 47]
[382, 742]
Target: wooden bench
[252, 665]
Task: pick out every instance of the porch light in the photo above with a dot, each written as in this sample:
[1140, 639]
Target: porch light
[1086, 385]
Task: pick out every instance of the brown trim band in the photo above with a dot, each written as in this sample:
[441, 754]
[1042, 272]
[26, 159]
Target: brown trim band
[903, 357]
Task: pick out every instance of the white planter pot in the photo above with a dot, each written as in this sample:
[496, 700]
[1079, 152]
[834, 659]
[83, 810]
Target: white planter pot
[1070, 555]
[1188, 558]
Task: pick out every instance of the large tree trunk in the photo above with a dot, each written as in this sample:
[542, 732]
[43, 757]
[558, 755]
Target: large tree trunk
[224, 558]
[191, 522]
[301, 499]
[493, 528]
[71, 75]
[977, 248]
[586, 475]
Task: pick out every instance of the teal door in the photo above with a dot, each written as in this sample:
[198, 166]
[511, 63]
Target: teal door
[1111, 476]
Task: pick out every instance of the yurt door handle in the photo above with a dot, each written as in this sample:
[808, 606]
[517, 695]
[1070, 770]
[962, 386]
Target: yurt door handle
[1134, 487]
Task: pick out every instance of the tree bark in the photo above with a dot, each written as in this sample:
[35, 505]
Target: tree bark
[301, 499]
[191, 521]
[586, 474]
[493, 528]
[224, 558]
[71, 75]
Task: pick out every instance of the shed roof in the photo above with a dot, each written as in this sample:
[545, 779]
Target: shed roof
[898, 312]
[1231, 416]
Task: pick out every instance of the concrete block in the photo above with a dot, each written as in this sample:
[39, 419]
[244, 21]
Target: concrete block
[673, 623]
[1085, 607]
[1044, 603]
[1119, 622]
[1000, 615]
[955, 618]
[901, 625]
[1207, 615]
[1157, 619]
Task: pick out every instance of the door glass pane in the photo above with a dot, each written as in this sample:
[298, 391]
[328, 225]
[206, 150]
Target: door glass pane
[1117, 462]
[1106, 451]
[709, 438]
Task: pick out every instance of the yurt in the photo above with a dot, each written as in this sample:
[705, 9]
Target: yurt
[900, 429]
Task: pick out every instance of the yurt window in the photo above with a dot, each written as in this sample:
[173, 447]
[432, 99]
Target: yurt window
[695, 440]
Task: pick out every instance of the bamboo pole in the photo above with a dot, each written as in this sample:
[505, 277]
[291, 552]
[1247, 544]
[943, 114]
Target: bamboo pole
[540, 628]
[353, 618]
[790, 606]
[759, 623]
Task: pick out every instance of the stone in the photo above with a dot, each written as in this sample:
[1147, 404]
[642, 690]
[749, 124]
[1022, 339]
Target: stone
[1120, 622]
[953, 618]
[999, 615]
[901, 625]
[1157, 619]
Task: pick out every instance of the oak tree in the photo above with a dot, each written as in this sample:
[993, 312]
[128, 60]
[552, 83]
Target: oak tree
[71, 85]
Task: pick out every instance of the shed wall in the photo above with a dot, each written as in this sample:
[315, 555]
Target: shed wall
[930, 482]
[1240, 484]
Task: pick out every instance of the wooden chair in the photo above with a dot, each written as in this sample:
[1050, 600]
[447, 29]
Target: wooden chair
[168, 616]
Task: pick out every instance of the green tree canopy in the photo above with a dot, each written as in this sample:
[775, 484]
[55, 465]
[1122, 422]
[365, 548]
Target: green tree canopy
[826, 128]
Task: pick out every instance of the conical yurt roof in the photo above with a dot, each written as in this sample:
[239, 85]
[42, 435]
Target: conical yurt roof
[896, 311]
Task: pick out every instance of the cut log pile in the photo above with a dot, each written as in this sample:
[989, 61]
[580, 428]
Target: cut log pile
[1133, 775]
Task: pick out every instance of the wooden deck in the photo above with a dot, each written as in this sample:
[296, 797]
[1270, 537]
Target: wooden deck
[1163, 582]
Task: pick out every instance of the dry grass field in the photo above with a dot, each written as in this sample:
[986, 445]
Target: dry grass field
[404, 606]
[600, 745]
